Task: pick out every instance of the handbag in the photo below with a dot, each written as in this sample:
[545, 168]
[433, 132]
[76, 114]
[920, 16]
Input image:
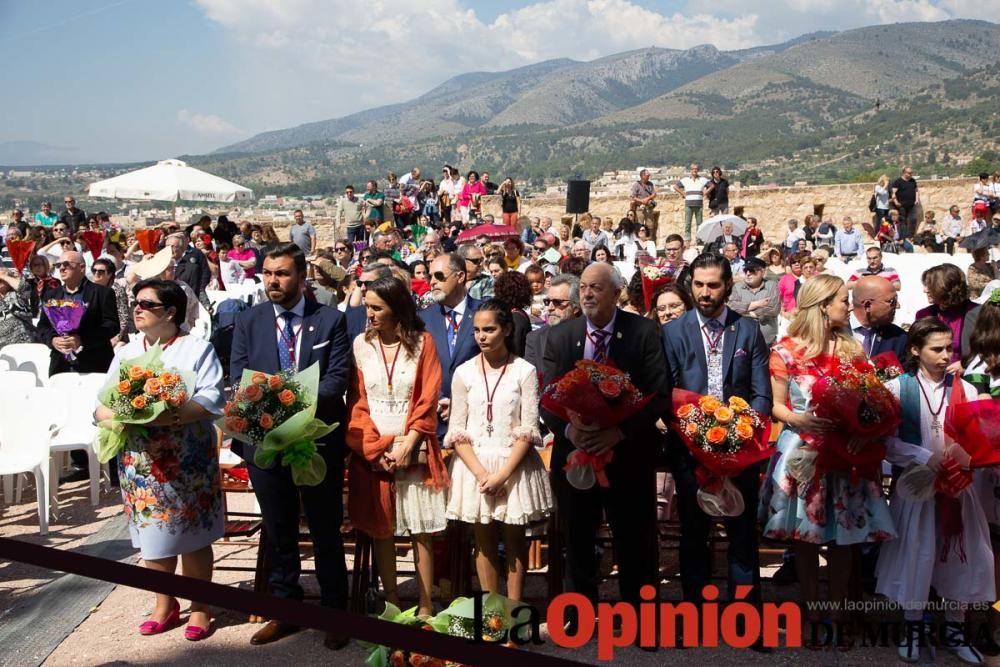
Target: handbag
[871, 203]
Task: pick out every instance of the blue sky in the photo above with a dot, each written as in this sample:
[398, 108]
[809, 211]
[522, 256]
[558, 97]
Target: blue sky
[129, 80]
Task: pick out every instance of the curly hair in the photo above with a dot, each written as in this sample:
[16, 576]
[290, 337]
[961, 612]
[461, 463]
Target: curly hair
[513, 288]
[574, 265]
[946, 286]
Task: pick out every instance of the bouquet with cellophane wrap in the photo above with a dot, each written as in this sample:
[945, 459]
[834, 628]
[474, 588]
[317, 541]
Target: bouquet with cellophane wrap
[655, 276]
[139, 393]
[603, 396]
[457, 620]
[277, 414]
[725, 439]
[65, 316]
[864, 412]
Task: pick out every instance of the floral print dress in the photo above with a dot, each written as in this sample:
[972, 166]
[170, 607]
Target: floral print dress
[829, 509]
[170, 476]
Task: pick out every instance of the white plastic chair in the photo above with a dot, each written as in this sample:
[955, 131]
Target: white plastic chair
[32, 357]
[203, 325]
[24, 443]
[13, 384]
[74, 395]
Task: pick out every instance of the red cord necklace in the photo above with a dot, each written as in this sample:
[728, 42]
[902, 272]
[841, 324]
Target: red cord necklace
[389, 372]
[490, 394]
[935, 420]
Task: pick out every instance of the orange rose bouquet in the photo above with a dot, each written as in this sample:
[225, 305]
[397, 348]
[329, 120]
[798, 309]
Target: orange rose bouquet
[725, 438]
[603, 395]
[139, 393]
[277, 414]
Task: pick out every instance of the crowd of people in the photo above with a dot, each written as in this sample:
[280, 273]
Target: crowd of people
[433, 350]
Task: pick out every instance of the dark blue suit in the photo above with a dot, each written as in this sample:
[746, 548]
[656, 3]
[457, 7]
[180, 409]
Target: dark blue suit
[323, 340]
[890, 338]
[357, 322]
[745, 374]
[465, 345]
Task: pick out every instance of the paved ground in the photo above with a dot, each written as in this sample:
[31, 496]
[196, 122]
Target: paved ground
[87, 623]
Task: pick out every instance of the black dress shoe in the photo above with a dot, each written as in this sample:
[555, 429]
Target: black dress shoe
[74, 474]
[272, 632]
[335, 642]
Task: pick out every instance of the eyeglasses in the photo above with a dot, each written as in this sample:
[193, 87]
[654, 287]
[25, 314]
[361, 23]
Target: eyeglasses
[64, 265]
[538, 249]
[99, 272]
[475, 260]
[340, 249]
[69, 201]
[557, 303]
[145, 304]
[440, 276]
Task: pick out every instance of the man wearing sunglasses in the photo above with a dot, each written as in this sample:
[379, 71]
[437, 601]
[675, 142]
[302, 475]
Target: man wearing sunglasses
[562, 303]
[357, 315]
[88, 349]
[874, 301]
[478, 283]
[449, 321]
[75, 219]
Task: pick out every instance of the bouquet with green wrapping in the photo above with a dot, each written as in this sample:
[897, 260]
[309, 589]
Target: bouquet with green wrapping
[138, 394]
[277, 414]
[385, 656]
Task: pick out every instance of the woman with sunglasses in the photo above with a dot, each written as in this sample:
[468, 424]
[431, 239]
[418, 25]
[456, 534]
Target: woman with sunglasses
[103, 273]
[169, 471]
[40, 282]
[397, 478]
[343, 254]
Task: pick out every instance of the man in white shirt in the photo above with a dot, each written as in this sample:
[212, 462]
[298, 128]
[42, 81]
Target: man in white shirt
[693, 189]
[594, 236]
[794, 236]
[452, 186]
[412, 177]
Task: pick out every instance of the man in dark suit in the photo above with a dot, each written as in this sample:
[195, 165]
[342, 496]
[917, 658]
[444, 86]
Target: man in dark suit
[449, 323]
[91, 343]
[632, 343]
[562, 303]
[292, 332]
[191, 266]
[712, 350]
[874, 302]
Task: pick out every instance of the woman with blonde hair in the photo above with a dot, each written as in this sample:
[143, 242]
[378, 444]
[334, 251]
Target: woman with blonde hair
[829, 509]
[881, 199]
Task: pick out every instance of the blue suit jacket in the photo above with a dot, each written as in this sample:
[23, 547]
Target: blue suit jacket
[891, 338]
[465, 344]
[357, 322]
[323, 340]
[744, 358]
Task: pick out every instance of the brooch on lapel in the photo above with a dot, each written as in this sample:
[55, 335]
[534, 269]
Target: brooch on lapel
[619, 335]
[312, 328]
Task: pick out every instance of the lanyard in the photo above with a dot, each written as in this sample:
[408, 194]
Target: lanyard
[713, 342]
[290, 344]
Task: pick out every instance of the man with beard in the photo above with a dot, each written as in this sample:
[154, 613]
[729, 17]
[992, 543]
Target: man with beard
[714, 351]
[449, 322]
[291, 333]
[631, 343]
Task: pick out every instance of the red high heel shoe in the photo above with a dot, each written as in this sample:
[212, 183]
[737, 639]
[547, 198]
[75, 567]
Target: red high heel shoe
[193, 633]
[155, 628]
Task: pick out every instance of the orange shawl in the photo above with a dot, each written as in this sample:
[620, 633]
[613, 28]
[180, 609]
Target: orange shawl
[371, 497]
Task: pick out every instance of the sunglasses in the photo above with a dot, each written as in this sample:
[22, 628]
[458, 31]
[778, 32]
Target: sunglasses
[145, 304]
[64, 265]
[341, 249]
[558, 303]
[475, 260]
[99, 272]
[440, 276]
[364, 283]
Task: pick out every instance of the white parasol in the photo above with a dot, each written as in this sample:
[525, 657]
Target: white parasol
[171, 180]
[711, 229]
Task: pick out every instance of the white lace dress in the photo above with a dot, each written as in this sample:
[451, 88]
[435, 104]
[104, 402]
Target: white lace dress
[419, 508]
[527, 496]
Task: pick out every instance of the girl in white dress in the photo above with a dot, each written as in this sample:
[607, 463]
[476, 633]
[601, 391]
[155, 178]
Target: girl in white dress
[498, 481]
[959, 567]
[396, 476]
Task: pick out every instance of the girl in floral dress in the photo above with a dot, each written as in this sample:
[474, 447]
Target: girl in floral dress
[499, 484]
[829, 510]
[169, 472]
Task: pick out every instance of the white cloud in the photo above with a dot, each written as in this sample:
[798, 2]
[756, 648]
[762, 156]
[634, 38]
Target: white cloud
[205, 123]
[315, 59]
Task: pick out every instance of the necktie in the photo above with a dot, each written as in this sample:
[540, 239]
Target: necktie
[869, 339]
[452, 318]
[714, 336]
[598, 338]
[286, 346]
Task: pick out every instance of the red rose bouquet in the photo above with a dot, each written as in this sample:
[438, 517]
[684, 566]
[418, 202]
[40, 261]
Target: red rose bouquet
[605, 397]
[277, 413]
[887, 366]
[852, 396]
[655, 276]
[724, 438]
